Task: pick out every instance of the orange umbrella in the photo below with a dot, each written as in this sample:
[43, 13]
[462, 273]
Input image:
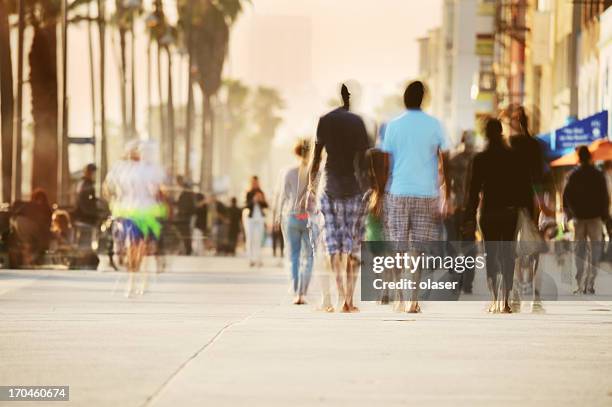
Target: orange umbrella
[601, 150]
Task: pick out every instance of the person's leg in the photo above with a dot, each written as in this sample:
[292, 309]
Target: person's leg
[308, 261]
[507, 260]
[294, 236]
[258, 240]
[489, 226]
[595, 234]
[425, 228]
[397, 214]
[250, 240]
[580, 237]
[274, 240]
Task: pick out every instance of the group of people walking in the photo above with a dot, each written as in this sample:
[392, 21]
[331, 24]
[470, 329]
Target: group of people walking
[410, 188]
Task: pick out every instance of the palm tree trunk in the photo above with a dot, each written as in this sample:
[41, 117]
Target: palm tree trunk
[103, 141]
[63, 167]
[123, 85]
[171, 128]
[43, 84]
[189, 113]
[17, 123]
[92, 79]
[149, 91]
[162, 116]
[6, 103]
[206, 163]
[133, 80]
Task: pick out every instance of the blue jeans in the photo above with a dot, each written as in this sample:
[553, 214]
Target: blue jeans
[298, 239]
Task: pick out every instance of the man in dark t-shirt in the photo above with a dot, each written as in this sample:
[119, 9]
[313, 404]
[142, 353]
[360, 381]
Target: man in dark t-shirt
[344, 137]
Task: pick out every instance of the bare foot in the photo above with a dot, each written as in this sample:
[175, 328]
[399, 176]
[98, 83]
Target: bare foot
[345, 308]
[296, 300]
[353, 308]
[537, 307]
[400, 306]
[326, 308]
[506, 309]
[414, 309]
[492, 308]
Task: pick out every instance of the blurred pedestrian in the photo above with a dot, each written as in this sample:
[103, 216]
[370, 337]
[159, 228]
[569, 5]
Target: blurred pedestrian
[255, 222]
[379, 166]
[586, 201]
[185, 206]
[495, 186]
[86, 203]
[417, 144]
[135, 188]
[234, 216]
[532, 196]
[199, 230]
[293, 216]
[343, 136]
[458, 171]
[31, 223]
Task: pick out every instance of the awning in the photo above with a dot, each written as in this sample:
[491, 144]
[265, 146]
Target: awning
[581, 132]
[601, 150]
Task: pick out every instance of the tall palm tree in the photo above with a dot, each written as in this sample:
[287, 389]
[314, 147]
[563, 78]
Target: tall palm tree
[102, 73]
[167, 41]
[6, 102]
[44, 93]
[210, 26]
[157, 25]
[121, 20]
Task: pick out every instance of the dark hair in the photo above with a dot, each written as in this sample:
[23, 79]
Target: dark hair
[413, 96]
[39, 195]
[584, 155]
[523, 121]
[378, 170]
[493, 130]
[233, 200]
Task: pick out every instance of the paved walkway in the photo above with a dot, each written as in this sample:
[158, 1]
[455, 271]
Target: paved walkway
[213, 333]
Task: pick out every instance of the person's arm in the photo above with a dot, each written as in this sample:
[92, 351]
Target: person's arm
[444, 154]
[316, 156]
[605, 197]
[445, 162]
[359, 162]
[473, 198]
[568, 197]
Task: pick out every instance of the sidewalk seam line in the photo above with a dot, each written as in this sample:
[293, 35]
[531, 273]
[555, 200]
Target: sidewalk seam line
[157, 392]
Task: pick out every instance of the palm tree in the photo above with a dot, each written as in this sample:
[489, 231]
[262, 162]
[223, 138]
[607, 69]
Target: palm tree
[44, 92]
[156, 22]
[102, 39]
[210, 26]
[235, 114]
[6, 102]
[266, 103]
[166, 41]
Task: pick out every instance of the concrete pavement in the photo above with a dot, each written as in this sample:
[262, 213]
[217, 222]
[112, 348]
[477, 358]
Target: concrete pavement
[213, 332]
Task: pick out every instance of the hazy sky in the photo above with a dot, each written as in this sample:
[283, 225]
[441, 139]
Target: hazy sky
[305, 48]
[325, 42]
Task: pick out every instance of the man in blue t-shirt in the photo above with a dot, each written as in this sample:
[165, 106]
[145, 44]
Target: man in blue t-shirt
[416, 142]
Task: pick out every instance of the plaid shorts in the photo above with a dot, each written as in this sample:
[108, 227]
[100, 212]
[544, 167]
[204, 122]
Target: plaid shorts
[343, 223]
[412, 219]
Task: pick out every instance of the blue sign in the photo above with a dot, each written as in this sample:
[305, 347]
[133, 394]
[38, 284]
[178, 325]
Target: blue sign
[565, 140]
